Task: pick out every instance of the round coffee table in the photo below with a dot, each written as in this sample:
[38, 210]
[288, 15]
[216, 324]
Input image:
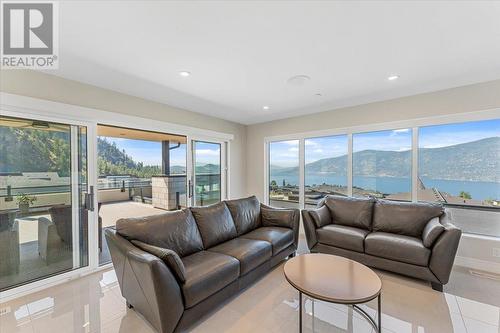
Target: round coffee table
[334, 279]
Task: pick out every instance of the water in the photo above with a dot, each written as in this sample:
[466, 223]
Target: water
[389, 185]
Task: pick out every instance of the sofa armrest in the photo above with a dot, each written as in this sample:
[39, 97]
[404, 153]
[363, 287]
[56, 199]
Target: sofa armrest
[169, 257]
[309, 229]
[282, 217]
[444, 249]
[146, 283]
[433, 229]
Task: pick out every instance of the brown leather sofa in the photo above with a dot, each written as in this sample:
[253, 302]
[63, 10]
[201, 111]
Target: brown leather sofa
[413, 239]
[176, 267]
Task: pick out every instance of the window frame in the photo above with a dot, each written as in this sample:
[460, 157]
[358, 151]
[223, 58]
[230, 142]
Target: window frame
[412, 124]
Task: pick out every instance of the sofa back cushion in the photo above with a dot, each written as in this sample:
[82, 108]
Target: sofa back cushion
[245, 213]
[176, 231]
[349, 211]
[215, 223]
[404, 218]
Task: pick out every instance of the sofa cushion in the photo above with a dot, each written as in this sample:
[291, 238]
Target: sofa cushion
[215, 224]
[207, 273]
[278, 217]
[432, 230]
[249, 252]
[176, 231]
[321, 216]
[404, 218]
[280, 238]
[397, 247]
[245, 213]
[352, 212]
[169, 257]
[348, 238]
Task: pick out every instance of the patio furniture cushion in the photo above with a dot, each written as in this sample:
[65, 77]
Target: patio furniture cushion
[401, 248]
[404, 218]
[249, 252]
[215, 224]
[348, 238]
[62, 216]
[176, 231]
[280, 238]
[352, 212]
[245, 213]
[207, 273]
[171, 259]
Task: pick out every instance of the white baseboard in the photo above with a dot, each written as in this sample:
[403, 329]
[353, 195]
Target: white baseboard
[482, 265]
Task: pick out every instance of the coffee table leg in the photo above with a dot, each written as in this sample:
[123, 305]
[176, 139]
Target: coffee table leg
[300, 312]
[380, 313]
[312, 303]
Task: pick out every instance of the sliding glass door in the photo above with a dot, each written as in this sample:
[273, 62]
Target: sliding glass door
[206, 187]
[140, 173]
[45, 199]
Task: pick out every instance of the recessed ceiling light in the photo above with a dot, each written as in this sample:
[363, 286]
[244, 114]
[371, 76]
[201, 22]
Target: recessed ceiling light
[393, 77]
[184, 73]
[265, 107]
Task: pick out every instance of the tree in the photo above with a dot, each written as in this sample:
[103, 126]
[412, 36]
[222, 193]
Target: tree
[465, 195]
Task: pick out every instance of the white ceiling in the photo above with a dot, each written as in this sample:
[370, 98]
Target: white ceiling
[241, 54]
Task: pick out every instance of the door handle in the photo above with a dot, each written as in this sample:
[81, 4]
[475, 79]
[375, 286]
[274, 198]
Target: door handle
[190, 188]
[89, 199]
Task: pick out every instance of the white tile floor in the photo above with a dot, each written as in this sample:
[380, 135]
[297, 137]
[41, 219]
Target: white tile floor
[94, 304]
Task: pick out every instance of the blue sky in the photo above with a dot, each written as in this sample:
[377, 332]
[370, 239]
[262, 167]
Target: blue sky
[207, 153]
[149, 152]
[285, 153]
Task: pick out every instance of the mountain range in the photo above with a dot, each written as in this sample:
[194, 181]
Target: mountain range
[472, 161]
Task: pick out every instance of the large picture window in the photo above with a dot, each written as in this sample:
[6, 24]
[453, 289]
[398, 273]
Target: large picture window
[325, 168]
[284, 173]
[382, 164]
[456, 164]
[459, 164]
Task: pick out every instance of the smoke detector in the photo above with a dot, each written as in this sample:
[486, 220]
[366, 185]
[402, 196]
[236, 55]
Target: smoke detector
[298, 80]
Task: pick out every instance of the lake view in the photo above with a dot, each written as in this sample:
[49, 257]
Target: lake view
[478, 190]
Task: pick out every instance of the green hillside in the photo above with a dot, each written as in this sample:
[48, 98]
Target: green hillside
[50, 151]
[29, 150]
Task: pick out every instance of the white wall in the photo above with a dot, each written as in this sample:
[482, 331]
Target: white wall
[454, 101]
[53, 88]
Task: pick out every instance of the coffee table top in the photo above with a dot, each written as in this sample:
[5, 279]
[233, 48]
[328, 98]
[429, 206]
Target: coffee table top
[332, 278]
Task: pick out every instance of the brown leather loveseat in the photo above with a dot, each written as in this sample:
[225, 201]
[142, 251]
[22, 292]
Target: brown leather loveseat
[413, 239]
[175, 267]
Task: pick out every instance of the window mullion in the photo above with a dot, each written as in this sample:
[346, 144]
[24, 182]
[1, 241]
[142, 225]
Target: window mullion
[301, 174]
[349, 164]
[414, 164]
